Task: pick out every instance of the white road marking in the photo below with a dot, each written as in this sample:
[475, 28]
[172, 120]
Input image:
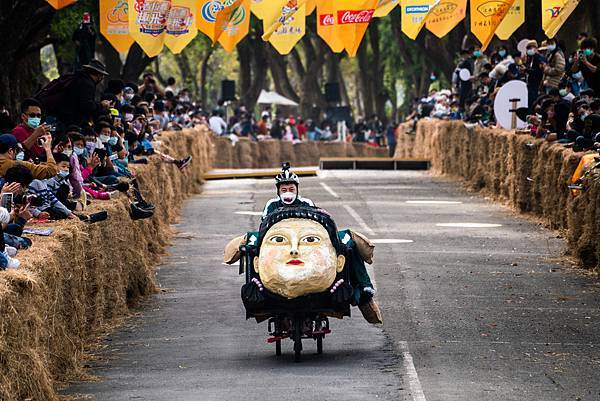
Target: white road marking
[359, 220]
[249, 213]
[413, 379]
[433, 202]
[469, 225]
[331, 191]
[391, 241]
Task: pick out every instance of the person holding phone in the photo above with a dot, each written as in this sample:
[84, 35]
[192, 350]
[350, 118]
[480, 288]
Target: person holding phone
[587, 62]
[31, 129]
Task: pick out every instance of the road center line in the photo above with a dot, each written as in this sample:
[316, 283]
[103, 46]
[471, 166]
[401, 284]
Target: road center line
[331, 191]
[413, 379]
[359, 220]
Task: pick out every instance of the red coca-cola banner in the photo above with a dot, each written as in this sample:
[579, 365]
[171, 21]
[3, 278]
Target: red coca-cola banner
[354, 16]
[326, 20]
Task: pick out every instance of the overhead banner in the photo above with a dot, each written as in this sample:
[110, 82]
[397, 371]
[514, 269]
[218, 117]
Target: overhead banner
[384, 7]
[414, 14]
[114, 24]
[326, 25]
[445, 16]
[224, 16]
[259, 7]
[352, 20]
[486, 16]
[310, 6]
[58, 4]
[147, 24]
[181, 25]
[236, 27]
[555, 13]
[513, 20]
[285, 25]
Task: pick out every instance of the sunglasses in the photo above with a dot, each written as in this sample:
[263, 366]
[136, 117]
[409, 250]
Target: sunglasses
[32, 115]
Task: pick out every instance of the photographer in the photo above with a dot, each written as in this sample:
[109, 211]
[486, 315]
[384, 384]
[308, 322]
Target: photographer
[9, 148]
[31, 130]
[587, 62]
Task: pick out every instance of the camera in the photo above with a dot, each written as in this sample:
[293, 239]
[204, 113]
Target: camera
[23, 199]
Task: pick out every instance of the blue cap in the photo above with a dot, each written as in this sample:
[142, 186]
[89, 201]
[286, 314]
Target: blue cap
[8, 140]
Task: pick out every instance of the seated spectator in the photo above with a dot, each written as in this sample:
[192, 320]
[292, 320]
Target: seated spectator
[8, 154]
[30, 130]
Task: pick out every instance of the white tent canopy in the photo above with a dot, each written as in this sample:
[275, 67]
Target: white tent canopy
[275, 98]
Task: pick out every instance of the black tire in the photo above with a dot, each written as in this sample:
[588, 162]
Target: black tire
[278, 347]
[320, 345]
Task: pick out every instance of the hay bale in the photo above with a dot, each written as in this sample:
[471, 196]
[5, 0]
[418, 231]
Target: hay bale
[307, 153]
[269, 152]
[69, 287]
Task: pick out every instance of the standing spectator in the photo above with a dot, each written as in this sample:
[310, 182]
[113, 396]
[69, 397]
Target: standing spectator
[587, 61]
[85, 41]
[391, 139]
[480, 61]
[555, 69]
[301, 128]
[171, 86]
[464, 87]
[217, 124]
[535, 72]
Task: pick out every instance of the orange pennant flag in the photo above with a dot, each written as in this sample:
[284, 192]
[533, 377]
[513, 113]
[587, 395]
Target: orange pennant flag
[181, 25]
[147, 24]
[58, 4]
[234, 28]
[224, 17]
[114, 24]
[285, 25]
[445, 15]
[384, 7]
[486, 16]
[352, 20]
[326, 25]
[310, 6]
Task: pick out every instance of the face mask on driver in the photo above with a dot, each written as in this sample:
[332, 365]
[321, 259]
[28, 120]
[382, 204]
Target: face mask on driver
[288, 197]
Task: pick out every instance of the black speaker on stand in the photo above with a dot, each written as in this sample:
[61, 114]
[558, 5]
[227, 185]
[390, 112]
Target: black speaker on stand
[227, 90]
[332, 92]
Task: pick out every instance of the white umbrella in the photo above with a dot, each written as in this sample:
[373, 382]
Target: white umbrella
[274, 98]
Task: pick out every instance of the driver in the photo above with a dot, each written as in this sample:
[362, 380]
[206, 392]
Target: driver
[287, 192]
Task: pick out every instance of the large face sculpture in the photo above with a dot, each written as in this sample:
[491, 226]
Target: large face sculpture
[297, 258]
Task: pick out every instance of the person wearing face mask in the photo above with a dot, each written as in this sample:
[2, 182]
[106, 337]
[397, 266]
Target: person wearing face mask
[71, 98]
[534, 65]
[31, 129]
[555, 69]
[79, 151]
[287, 192]
[587, 61]
[480, 61]
[8, 157]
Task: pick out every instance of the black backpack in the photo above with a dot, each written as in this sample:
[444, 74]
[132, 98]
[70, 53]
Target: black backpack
[54, 94]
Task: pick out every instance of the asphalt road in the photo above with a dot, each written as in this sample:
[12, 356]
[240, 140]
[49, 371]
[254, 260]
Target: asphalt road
[471, 313]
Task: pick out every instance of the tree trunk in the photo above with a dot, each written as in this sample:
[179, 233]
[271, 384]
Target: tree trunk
[203, 75]
[365, 77]
[378, 71]
[253, 69]
[135, 64]
[279, 73]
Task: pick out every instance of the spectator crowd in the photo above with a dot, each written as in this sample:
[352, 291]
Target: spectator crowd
[67, 148]
[563, 89]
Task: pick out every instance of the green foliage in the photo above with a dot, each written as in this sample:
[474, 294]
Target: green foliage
[65, 22]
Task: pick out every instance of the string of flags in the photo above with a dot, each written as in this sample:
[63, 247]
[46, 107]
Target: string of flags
[154, 24]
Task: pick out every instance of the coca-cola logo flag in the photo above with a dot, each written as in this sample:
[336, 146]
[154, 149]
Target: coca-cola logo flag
[342, 24]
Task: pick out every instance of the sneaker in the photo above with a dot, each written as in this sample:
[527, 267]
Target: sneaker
[146, 205]
[114, 194]
[12, 263]
[137, 213]
[183, 163]
[10, 251]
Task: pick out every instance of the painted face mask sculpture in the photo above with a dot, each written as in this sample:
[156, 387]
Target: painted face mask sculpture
[297, 258]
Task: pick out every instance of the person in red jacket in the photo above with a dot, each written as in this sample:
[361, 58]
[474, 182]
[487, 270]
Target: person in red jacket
[30, 130]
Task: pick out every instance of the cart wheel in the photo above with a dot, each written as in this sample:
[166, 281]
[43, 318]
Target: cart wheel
[319, 345]
[278, 347]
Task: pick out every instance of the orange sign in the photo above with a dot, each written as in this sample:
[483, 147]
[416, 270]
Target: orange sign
[352, 20]
[181, 25]
[236, 27]
[486, 16]
[114, 24]
[326, 25]
[445, 15]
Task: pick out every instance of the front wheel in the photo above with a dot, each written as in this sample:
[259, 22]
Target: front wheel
[319, 345]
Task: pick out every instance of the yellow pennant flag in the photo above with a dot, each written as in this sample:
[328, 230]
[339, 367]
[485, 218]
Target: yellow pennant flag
[414, 15]
[326, 25]
[310, 6]
[352, 20]
[236, 28]
[486, 16]
[513, 20]
[384, 7]
[285, 25]
[259, 7]
[445, 15]
[58, 4]
[114, 24]
[147, 24]
[181, 25]
[555, 13]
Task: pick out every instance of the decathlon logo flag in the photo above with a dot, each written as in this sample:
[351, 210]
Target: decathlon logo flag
[147, 23]
[445, 16]
[555, 13]
[414, 14]
[114, 24]
[181, 25]
[513, 20]
[384, 7]
[486, 16]
[285, 24]
[58, 4]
